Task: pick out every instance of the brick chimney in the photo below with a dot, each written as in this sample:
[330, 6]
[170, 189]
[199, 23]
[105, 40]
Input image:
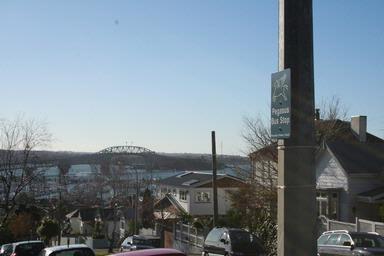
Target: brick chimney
[359, 127]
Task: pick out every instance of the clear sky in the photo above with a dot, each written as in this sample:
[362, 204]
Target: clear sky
[163, 73]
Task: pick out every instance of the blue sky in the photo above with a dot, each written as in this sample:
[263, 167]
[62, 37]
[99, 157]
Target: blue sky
[162, 74]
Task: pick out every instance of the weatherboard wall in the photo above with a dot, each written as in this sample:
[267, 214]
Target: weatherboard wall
[330, 175]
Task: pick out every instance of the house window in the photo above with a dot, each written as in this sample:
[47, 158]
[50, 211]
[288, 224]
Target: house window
[163, 191]
[202, 197]
[183, 195]
[322, 203]
[174, 193]
[328, 204]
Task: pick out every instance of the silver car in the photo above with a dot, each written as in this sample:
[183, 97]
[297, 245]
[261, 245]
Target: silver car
[68, 250]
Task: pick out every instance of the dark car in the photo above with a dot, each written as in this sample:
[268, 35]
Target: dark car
[26, 248]
[68, 250]
[6, 250]
[136, 242]
[232, 241]
[342, 242]
[153, 252]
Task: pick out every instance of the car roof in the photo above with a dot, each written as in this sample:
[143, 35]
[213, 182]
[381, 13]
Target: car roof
[27, 242]
[348, 232]
[231, 229]
[146, 237]
[151, 252]
[65, 247]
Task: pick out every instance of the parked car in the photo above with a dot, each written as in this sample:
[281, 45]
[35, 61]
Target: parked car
[343, 242]
[6, 250]
[232, 241]
[68, 250]
[136, 242]
[25, 248]
[153, 252]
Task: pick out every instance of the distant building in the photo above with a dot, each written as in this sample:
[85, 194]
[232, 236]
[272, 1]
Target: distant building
[191, 193]
[82, 221]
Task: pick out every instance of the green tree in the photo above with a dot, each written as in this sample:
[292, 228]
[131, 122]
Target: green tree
[252, 210]
[48, 229]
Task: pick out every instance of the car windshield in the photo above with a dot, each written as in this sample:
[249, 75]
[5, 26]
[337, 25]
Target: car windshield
[368, 240]
[29, 249]
[149, 242]
[6, 249]
[240, 237]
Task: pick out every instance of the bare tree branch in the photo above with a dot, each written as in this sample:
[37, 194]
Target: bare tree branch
[18, 139]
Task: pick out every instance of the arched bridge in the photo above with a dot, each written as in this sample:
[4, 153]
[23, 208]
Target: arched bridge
[126, 150]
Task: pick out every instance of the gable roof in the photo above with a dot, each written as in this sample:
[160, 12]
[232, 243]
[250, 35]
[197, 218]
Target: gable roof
[194, 179]
[167, 201]
[266, 153]
[168, 208]
[359, 157]
[338, 130]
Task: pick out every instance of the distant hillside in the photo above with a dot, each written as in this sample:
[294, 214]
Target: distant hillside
[160, 161]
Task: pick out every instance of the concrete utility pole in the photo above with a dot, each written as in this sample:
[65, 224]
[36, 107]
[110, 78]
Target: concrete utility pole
[214, 185]
[296, 171]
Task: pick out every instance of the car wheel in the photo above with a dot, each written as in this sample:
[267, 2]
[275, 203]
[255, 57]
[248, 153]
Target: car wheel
[206, 254]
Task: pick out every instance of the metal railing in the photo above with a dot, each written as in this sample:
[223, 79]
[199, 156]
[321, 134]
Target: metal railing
[188, 234]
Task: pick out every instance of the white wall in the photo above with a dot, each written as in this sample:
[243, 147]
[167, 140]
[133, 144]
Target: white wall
[330, 175]
[75, 225]
[203, 208]
[206, 208]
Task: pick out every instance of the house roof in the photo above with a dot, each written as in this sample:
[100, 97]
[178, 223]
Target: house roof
[354, 156]
[268, 152]
[372, 196]
[194, 179]
[89, 214]
[373, 192]
[168, 208]
[167, 201]
[341, 131]
[359, 157]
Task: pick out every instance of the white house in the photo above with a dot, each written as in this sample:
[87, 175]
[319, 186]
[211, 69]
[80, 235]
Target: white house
[349, 169]
[82, 221]
[349, 174]
[191, 193]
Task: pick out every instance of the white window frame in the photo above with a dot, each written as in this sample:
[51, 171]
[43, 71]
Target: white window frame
[183, 195]
[202, 197]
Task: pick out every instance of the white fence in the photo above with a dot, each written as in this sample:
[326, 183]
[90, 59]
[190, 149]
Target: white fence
[360, 225]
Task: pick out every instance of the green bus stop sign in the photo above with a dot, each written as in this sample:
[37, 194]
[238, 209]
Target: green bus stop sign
[281, 104]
